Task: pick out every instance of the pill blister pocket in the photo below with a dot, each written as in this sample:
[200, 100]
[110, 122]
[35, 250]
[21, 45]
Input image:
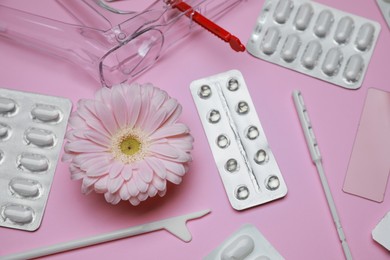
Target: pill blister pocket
[246, 164]
[32, 129]
[316, 40]
[384, 5]
[247, 243]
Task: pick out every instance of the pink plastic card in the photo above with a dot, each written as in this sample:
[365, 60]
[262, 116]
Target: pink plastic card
[369, 165]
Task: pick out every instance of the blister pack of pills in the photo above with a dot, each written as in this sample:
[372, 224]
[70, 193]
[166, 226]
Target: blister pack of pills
[384, 5]
[245, 244]
[32, 129]
[246, 164]
[316, 40]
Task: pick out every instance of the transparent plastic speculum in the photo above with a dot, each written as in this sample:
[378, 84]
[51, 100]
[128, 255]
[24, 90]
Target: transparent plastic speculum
[111, 43]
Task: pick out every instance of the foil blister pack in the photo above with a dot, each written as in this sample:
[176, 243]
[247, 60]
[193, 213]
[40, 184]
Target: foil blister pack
[245, 162]
[384, 6]
[247, 243]
[316, 40]
[32, 129]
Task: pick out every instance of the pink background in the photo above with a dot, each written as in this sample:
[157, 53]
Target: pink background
[299, 226]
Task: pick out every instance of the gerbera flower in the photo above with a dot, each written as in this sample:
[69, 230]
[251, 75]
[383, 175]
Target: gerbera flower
[127, 143]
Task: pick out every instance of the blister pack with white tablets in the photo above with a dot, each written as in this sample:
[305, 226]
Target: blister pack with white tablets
[246, 164]
[32, 129]
[384, 5]
[245, 244]
[316, 40]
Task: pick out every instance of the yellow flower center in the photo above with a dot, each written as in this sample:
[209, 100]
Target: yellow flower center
[129, 145]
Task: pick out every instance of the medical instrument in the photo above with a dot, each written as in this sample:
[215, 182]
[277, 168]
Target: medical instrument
[317, 160]
[111, 44]
[175, 225]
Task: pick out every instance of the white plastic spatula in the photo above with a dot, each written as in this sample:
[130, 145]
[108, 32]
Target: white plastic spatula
[175, 225]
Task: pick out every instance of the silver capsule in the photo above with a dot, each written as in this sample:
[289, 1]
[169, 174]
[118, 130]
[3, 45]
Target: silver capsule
[7, 105]
[303, 17]
[252, 132]
[261, 156]
[353, 69]
[242, 192]
[365, 37]
[332, 62]
[242, 108]
[47, 114]
[223, 141]
[204, 91]
[290, 48]
[34, 162]
[233, 84]
[25, 188]
[270, 41]
[311, 55]
[4, 131]
[272, 183]
[324, 22]
[282, 11]
[344, 30]
[18, 213]
[232, 165]
[239, 248]
[214, 116]
[40, 137]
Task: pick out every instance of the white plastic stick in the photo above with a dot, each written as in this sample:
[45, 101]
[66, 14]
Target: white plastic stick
[317, 159]
[176, 226]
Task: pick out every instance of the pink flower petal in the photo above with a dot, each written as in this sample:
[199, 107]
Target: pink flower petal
[142, 196]
[134, 201]
[86, 161]
[119, 107]
[162, 193]
[76, 122]
[155, 121]
[116, 169]
[124, 193]
[145, 172]
[165, 150]
[141, 185]
[98, 170]
[170, 130]
[173, 178]
[84, 146]
[114, 185]
[159, 99]
[145, 109]
[132, 188]
[106, 116]
[88, 181]
[176, 168]
[101, 184]
[97, 138]
[157, 166]
[152, 191]
[159, 184]
[127, 172]
[134, 107]
[104, 96]
[86, 189]
[110, 198]
[175, 115]
[183, 143]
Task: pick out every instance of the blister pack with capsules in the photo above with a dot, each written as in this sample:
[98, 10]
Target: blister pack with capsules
[32, 129]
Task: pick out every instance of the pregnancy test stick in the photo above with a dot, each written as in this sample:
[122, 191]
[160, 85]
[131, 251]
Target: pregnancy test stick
[317, 160]
[176, 226]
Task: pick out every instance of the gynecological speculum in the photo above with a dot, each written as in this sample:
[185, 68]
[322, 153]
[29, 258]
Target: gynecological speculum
[112, 45]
